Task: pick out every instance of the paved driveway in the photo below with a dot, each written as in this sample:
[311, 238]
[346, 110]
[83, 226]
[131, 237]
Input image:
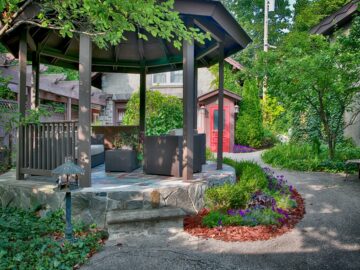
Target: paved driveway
[327, 238]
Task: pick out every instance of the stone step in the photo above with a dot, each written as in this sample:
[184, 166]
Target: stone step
[152, 221]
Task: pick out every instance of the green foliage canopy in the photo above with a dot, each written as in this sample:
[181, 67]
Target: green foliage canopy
[105, 21]
[309, 13]
[163, 112]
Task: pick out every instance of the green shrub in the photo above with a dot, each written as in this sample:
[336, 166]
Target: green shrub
[249, 127]
[209, 155]
[303, 157]
[163, 112]
[251, 178]
[247, 171]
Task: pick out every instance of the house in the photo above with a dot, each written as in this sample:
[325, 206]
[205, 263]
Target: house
[119, 87]
[54, 88]
[340, 22]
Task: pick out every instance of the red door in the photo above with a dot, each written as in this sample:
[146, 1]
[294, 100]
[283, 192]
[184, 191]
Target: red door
[214, 113]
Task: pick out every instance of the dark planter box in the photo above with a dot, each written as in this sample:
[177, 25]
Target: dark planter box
[121, 160]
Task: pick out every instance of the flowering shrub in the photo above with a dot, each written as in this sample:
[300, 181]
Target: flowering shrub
[238, 148]
[256, 199]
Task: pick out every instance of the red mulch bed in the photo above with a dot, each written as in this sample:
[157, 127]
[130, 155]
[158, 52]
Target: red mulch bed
[193, 225]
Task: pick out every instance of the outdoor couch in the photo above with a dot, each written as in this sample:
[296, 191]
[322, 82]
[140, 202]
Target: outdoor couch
[97, 150]
[163, 155]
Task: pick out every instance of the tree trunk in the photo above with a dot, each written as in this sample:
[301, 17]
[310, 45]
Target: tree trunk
[332, 145]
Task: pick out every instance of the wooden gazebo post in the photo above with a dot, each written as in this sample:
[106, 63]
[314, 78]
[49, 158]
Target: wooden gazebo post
[21, 102]
[220, 107]
[84, 128]
[142, 101]
[188, 101]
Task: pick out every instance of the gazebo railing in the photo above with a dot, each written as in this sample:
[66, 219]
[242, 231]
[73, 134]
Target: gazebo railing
[46, 145]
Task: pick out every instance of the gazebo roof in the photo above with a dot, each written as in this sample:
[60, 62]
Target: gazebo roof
[132, 54]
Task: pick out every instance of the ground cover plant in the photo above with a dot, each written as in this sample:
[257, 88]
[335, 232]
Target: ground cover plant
[28, 241]
[307, 157]
[260, 205]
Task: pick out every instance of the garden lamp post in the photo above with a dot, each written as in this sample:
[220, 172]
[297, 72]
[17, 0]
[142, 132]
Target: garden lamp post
[68, 174]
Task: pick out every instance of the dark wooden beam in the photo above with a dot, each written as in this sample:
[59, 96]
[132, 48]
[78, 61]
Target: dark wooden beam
[35, 82]
[31, 42]
[220, 108]
[215, 33]
[188, 101]
[206, 51]
[21, 102]
[84, 129]
[142, 101]
[195, 96]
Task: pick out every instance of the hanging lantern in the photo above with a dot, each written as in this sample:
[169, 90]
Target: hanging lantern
[236, 107]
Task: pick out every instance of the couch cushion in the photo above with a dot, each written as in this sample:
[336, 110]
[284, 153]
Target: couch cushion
[95, 150]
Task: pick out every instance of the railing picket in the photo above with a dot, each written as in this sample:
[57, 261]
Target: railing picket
[73, 140]
[30, 146]
[48, 147]
[43, 165]
[26, 142]
[40, 147]
[63, 150]
[53, 153]
[68, 142]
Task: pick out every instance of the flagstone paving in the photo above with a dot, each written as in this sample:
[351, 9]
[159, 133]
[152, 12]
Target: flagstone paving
[327, 238]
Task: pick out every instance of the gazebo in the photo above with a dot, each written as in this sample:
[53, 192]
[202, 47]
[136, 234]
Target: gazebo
[134, 55]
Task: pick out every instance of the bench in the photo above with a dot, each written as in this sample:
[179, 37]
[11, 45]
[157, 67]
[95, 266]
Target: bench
[353, 161]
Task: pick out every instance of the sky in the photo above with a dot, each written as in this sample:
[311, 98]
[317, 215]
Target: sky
[292, 2]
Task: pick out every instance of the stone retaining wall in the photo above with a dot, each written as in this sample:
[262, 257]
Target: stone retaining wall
[91, 206]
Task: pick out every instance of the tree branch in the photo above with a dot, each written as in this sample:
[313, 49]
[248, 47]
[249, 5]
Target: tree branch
[13, 17]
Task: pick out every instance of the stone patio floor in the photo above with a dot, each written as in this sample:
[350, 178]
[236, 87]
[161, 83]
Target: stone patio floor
[327, 238]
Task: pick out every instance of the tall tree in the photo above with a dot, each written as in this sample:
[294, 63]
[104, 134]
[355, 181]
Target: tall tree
[104, 20]
[250, 14]
[249, 128]
[316, 80]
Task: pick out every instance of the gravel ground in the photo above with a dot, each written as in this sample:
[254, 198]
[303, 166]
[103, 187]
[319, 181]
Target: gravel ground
[327, 238]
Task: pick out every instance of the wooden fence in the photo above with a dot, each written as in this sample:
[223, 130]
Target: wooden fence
[46, 145]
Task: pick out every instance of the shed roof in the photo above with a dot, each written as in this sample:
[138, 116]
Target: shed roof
[132, 54]
[215, 92]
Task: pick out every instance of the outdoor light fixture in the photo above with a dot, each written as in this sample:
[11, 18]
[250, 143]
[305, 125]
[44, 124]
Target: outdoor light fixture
[68, 174]
[202, 108]
[236, 107]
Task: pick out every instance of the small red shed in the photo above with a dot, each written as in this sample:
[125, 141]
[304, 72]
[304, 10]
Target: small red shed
[208, 118]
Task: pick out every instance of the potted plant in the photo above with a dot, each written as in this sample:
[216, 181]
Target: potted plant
[124, 156]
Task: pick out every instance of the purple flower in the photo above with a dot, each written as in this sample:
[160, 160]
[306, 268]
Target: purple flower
[241, 213]
[231, 212]
[220, 222]
[281, 220]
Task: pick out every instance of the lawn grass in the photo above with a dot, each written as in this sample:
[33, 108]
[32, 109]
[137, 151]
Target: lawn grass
[301, 157]
[28, 241]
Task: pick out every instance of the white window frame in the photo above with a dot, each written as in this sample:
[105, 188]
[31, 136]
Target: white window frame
[167, 81]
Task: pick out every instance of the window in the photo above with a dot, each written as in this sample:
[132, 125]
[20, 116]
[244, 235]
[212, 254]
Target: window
[121, 114]
[168, 78]
[176, 77]
[216, 117]
[159, 78]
